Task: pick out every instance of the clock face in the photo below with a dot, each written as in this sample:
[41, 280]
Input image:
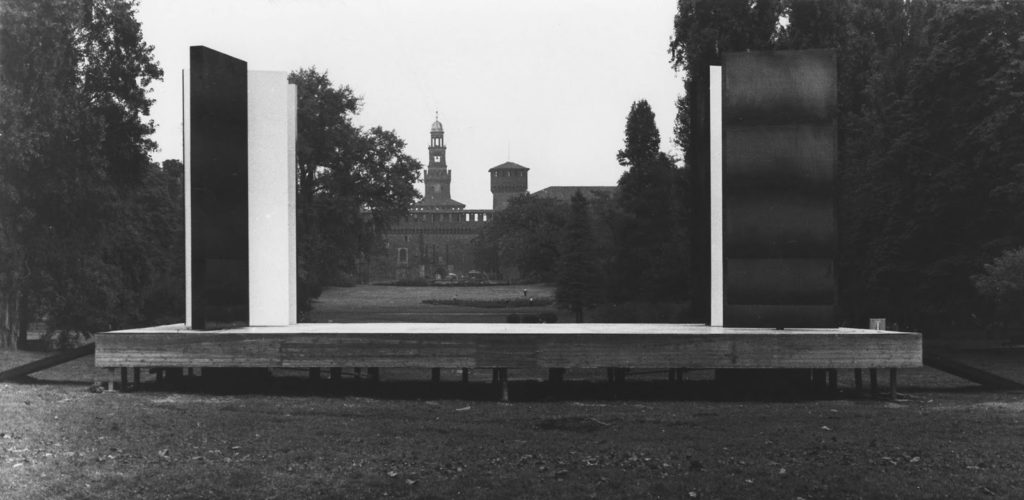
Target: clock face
[437, 158]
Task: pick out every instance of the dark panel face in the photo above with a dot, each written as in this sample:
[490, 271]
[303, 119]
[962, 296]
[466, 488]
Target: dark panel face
[219, 173]
[779, 139]
[786, 86]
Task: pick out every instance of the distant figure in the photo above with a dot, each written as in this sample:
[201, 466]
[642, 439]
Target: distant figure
[524, 292]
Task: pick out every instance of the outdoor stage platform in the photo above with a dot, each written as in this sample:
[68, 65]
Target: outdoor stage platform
[503, 346]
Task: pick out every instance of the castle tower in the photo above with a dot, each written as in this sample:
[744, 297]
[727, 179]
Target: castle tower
[508, 180]
[437, 182]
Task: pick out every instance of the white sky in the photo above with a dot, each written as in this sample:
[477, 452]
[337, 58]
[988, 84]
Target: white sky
[549, 82]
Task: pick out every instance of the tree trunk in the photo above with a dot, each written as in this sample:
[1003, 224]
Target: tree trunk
[21, 320]
[13, 326]
[6, 332]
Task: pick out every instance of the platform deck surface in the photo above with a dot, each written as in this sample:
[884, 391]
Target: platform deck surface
[489, 345]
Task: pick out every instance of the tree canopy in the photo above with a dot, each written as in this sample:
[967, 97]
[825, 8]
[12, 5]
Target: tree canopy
[929, 166]
[352, 183]
[651, 241]
[83, 211]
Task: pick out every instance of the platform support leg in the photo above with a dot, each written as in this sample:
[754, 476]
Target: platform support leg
[435, 375]
[495, 376]
[465, 375]
[858, 380]
[503, 381]
[136, 377]
[124, 379]
[556, 375]
[873, 375]
[892, 384]
[620, 375]
[818, 380]
[833, 380]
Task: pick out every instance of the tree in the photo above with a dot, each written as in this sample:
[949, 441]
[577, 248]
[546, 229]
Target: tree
[929, 170]
[651, 263]
[526, 235]
[1002, 283]
[352, 183]
[579, 283]
[929, 164]
[75, 164]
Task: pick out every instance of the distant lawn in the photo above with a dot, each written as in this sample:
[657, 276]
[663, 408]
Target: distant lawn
[516, 302]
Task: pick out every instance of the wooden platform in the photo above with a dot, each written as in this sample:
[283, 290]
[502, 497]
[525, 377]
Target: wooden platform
[477, 345]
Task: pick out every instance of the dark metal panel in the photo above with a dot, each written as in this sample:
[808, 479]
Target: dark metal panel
[779, 316]
[780, 282]
[776, 225]
[786, 86]
[779, 139]
[794, 157]
[218, 115]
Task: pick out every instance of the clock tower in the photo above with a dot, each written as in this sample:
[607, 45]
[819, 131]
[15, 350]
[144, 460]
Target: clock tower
[437, 182]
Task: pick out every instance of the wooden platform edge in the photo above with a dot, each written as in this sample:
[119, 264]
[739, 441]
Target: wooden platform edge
[563, 347]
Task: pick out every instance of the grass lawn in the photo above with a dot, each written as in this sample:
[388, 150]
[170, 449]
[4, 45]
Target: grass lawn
[378, 303]
[943, 439]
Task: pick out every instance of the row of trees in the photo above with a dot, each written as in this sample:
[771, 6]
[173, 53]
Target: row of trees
[92, 232]
[89, 227]
[626, 249]
[930, 166]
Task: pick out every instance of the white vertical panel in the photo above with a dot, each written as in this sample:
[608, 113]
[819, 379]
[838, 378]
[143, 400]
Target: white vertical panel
[293, 119]
[271, 199]
[717, 257]
[186, 131]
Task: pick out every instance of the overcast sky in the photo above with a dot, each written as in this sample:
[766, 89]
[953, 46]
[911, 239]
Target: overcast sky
[546, 84]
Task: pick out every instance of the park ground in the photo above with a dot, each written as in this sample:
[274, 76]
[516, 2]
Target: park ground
[647, 438]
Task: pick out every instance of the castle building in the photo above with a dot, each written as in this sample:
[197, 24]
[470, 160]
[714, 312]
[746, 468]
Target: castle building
[436, 240]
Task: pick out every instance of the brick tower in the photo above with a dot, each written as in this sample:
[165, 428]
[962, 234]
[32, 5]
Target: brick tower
[508, 180]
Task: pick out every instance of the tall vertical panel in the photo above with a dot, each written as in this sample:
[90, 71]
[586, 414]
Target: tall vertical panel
[272, 271]
[779, 128]
[218, 165]
[717, 262]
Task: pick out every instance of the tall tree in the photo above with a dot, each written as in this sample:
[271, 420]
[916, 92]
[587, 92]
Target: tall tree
[75, 158]
[579, 284]
[651, 263]
[352, 183]
[526, 235]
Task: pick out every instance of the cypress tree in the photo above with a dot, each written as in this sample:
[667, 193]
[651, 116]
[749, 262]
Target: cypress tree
[579, 283]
